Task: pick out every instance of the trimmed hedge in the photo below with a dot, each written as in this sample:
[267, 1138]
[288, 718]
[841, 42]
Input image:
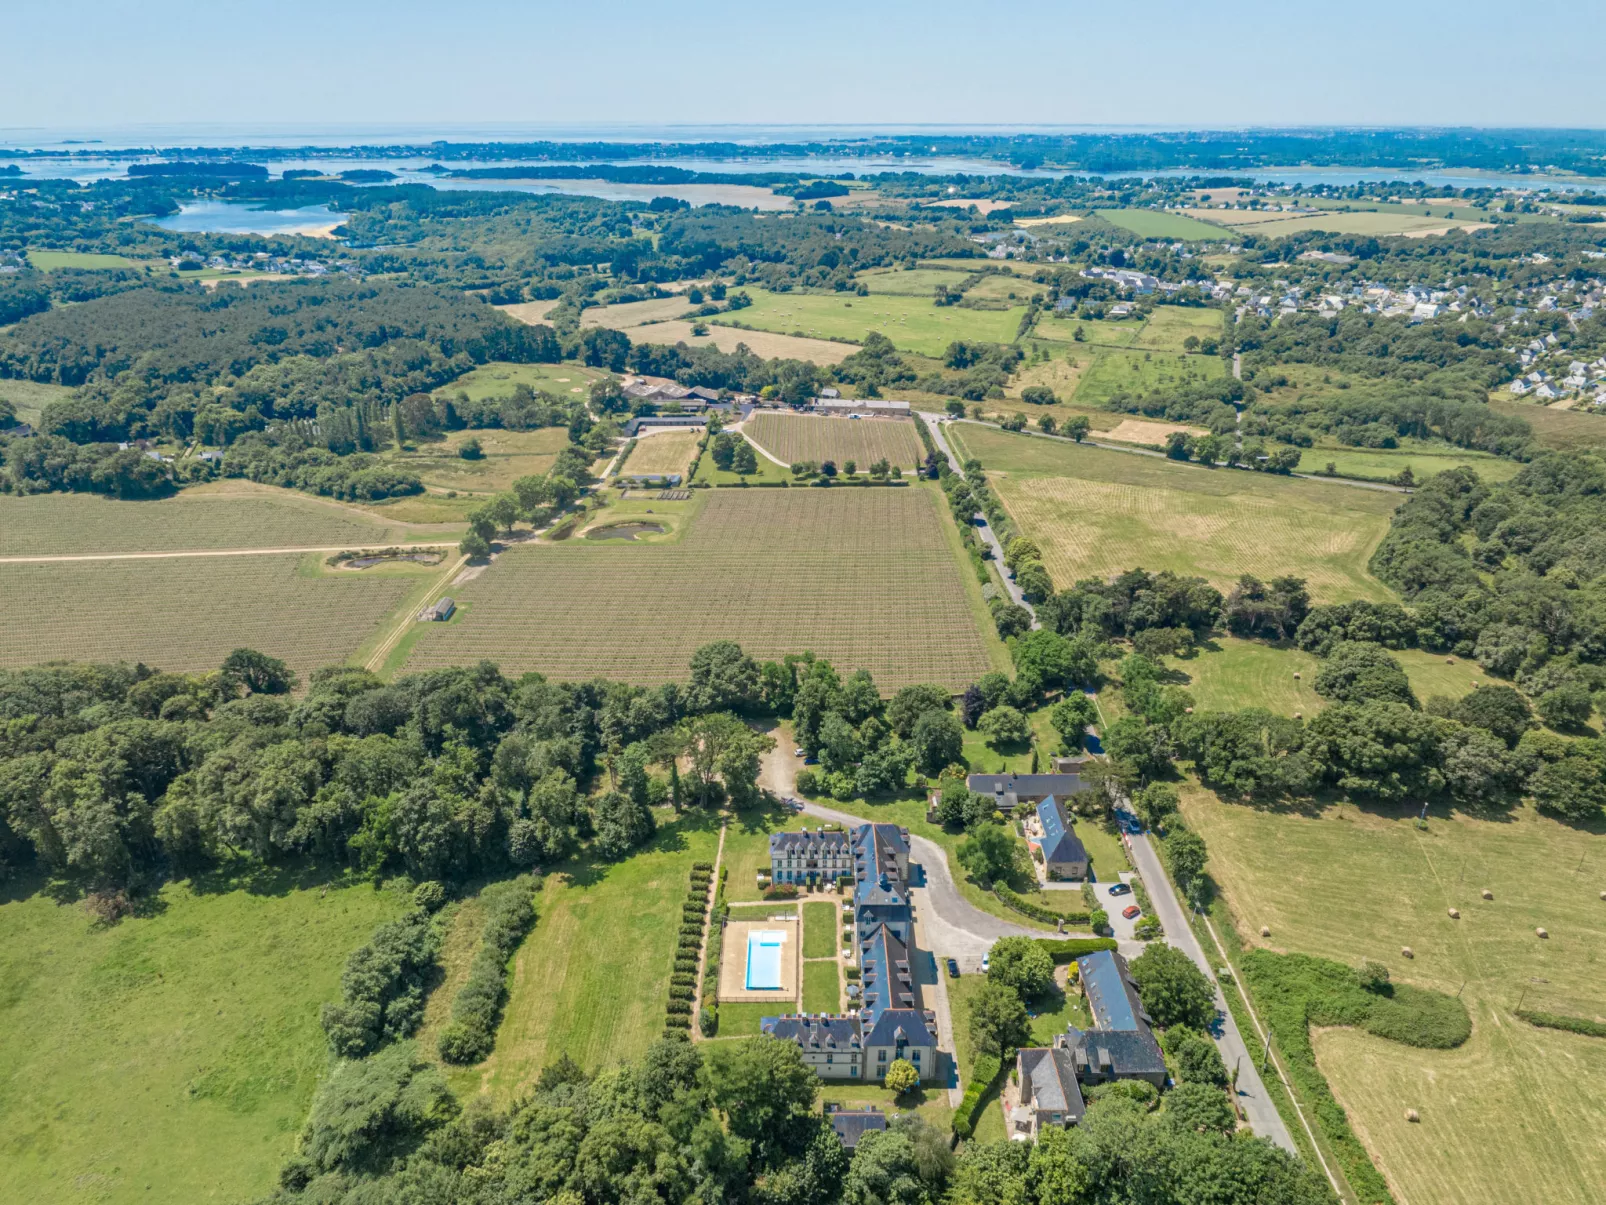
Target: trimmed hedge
[1068, 949]
[1583, 1025]
[986, 1071]
[677, 1021]
[1026, 908]
[509, 914]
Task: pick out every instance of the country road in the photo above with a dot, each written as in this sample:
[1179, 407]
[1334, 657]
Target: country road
[1257, 1106]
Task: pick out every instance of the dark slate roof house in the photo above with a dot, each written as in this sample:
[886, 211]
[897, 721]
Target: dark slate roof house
[1107, 1054]
[1049, 1093]
[1064, 856]
[1010, 790]
[852, 1124]
[1112, 997]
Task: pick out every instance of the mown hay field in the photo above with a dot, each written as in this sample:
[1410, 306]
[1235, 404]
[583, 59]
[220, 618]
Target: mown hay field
[912, 323]
[1098, 512]
[226, 515]
[867, 577]
[798, 437]
[761, 343]
[591, 979]
[669, 452]
[188, 613]
[1511, 1117]
[1155, 223]
[136, 1055]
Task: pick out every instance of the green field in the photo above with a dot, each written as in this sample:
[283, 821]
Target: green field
[135, 1055]
[1158, 224]
[1553, 428]
[798, 437]
[820, 927]
[505, 456]
[822, 986]
[1141, 372]
[29, 398]
[912, 323]
[498, 378]
[1229, 674]
[765, 470]
[1436, 674]
[188, 613]
[670, 452]
[866, 577]
[50, 261]
[1512, 1116]
[1061, 326]
[1169, 325]
[591, 979]
[1097, 512]
[223, 516]
[916, 282]
[1423, 459]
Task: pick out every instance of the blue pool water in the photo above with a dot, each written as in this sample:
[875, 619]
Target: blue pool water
[764, 948]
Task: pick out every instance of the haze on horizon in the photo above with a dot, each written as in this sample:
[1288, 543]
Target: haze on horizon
[93, 64]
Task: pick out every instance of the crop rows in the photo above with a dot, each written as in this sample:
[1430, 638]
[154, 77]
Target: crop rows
[66, 524]
[793, 438]
[863, 577]
[187, 614]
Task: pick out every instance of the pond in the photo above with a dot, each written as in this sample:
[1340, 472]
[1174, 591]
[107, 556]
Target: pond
[624, 531]
[234, 217]
[367, 562]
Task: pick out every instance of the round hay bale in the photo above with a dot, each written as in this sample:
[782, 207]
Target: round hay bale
[1407, 952]
[1603, 895]
[1188, 710]
[1299, 715]
[1449, 660]
[1412, 1115]
[1540, 933]
[1264, 931]
[1455, 914]
[1296, 675]
[1487, 894]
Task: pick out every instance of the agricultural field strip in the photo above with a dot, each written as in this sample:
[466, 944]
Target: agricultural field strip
[794, 438]
[200, 552]
[184, 615]
[865, 577]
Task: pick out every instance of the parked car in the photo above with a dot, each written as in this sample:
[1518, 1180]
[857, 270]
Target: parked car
[986, 963]
[811, 761]
[953, 969]
[1120, 889]
[800, 752]
[1131, 911]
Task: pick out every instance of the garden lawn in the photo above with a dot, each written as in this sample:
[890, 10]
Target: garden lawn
[822, 986]
[173, 1056]
[929, 1104]
[747, 848]
[1512, 1116]
[591, 979]
[820, 926]
[742, 1020]
[912, 323]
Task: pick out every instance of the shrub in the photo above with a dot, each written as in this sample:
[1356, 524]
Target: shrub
[781, 891]
[808, 783]
[984, 1073]
[1583, 1025]
[676, 1021]
[1145, 1093]
[678, 1007]
[370, 1110]
[510, 912]
[430, 896]
[382, 988]
[901, 1077]
[708, 1021]
[1067, 949]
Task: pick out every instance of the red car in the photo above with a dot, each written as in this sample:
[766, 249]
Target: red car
[1131, 910]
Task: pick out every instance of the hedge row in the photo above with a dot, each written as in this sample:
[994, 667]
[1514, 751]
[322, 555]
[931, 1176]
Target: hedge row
[1068, 949]
[708, 1018]
[682, 990]
[382, 989]
[509, 914]
[984, 1073]
[1026, 908]
[1583, 1025]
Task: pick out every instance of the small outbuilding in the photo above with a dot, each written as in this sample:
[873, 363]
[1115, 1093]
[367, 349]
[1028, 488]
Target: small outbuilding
[438, 612]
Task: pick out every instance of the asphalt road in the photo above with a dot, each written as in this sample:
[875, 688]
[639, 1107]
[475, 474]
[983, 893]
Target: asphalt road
[1252, 1099]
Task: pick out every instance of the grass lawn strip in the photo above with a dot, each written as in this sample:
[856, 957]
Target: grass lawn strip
[822, 986]
[820, 926]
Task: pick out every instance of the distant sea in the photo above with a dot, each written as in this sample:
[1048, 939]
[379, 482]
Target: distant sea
[77, 161]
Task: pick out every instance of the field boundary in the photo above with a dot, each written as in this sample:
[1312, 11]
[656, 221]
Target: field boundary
[199, 552]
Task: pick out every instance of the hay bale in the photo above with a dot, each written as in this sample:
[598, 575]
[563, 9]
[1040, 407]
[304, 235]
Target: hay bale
[1264, 931]
[1412, 1115]
[1296, 675]
[1299, 715]
[1455, 914]
[1487, 894]
[1449, 660]
[1407, 952]
[1540, 933]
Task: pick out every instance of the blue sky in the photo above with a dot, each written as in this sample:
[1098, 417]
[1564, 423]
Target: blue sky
[82, 64]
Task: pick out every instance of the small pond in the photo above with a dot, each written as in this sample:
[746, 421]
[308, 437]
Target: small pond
[624, 531]
[367, 562]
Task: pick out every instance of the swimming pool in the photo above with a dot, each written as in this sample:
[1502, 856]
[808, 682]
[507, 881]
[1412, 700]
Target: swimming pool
[764, 948]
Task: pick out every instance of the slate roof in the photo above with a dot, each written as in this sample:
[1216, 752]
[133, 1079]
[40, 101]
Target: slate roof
[910, 1026]
[821, 1033]
[1112, 997]
[852, 1124]
[1052, 1072]
[1060, 842]
[888, 977]
[878, 849]
[1009, 789]
[1121, 1054]
[835, 842]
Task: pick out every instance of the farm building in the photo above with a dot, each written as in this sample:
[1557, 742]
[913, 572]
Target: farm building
[634, 426]
[1011, 790]
[1121, 1044]
[438, 612]
[847, 405]
[1055, 843]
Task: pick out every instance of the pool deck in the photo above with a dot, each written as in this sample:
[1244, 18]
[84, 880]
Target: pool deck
[733, 962]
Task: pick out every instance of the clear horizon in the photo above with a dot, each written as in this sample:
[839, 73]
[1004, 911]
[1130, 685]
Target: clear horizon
[719, 64]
